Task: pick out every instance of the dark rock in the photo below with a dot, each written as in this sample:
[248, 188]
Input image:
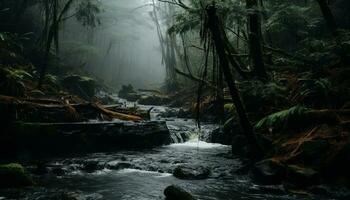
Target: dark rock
[311, 150]
[93, 136]
[302, 176]
[191, 172]
[80, 85]
[58, 171]
[174, 192]
[241, 146]
[221, 136]
[41, 169]
[154, 100]
[118, 165]
[127, 92]
[92, 166]
[269, 171]
[14, 175]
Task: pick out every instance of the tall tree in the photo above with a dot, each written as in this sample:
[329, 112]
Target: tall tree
[254, 35]
[332, 25]
[216, 31]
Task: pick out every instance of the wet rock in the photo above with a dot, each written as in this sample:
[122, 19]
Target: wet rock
[127, 92]
[269, 189]
[41, 169]
[241, 147]
[118, 165]
[92, 166]
[311, 150]
[94, 136]
[191, 172]
[66, 195]
[269, 171]
[154, 100]
[220, 136]
[14, 175]
[174, 192]
[80, 85]
[302, 176]
[58, 171]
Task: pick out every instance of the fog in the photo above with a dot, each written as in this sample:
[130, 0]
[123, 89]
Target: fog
[123, 49]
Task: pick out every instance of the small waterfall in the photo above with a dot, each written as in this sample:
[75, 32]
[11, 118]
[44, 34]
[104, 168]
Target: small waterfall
[181, 137]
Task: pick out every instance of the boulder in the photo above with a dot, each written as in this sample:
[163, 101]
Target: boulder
[269, 171]
[115, 165]
[80, 85]
[14, 175]
[89, 137]
[191, 172]
[92, 166]
[221, 136]
[154, 100]
[174, 192]
[311, 150]
[302, 176]
[127, 92]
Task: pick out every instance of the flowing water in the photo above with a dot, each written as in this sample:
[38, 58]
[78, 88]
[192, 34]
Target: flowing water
[144, 174]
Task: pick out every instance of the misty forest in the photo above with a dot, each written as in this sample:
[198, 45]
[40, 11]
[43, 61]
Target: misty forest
[174, 99]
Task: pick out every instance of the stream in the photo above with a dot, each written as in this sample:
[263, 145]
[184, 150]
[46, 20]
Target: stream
[144, 174]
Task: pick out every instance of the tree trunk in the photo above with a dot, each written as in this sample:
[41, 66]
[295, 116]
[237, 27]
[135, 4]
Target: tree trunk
[328, 16]
[332, 25]
[216, 33]
[254, 35]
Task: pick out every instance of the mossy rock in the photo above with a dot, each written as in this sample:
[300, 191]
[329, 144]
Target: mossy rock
[174, 192]
[154, 100]
[80, 85]
[14, 175]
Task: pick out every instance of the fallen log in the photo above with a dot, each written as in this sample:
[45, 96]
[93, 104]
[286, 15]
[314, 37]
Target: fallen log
[117, 115]
[44, 110]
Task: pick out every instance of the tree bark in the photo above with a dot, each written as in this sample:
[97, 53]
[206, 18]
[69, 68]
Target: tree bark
[254, 35]
[328, 16]
[216, 33]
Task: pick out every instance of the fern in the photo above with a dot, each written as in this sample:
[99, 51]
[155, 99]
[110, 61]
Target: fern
[19, 74]
[282, 119]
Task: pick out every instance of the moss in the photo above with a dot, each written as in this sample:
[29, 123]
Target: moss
[14, 175]
[81, 85]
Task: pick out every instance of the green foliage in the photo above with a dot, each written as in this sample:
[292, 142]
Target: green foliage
[258, 95]
[18, 74]
[12, 81]
[11, 46]
[314, 93]
[87, 13]
[288, 22]
[184, 23]
[282, 119]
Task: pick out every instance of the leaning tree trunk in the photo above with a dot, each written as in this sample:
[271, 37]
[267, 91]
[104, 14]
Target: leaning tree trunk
[216, 33]
[254, 34]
